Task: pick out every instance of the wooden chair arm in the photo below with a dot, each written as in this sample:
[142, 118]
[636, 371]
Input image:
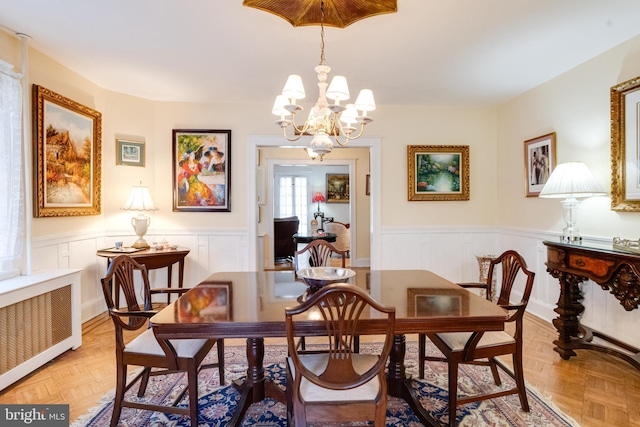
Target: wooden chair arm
[135, 313]
[473, 285]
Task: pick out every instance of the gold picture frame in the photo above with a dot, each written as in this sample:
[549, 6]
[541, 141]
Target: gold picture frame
[438, 172]
[625, 143]
[67, 140]
[337, 188]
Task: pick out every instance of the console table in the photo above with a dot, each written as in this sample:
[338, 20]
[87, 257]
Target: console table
[153, 259]
[615, 271]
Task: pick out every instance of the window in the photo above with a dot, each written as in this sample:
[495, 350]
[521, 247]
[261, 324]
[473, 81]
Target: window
[11, 172]
[292, 199]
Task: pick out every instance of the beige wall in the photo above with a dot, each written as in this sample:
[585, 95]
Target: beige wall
[575, 105]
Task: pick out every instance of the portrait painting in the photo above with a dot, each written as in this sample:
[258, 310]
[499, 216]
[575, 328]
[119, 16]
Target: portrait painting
[540, 160]
[201, 170]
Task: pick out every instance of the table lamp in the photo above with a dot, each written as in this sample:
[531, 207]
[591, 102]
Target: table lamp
[571, 181]
[140, 200]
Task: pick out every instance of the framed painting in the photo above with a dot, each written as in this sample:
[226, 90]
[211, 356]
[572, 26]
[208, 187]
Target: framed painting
[129, 153]
[67, 156]
[208, 302]
[337, 188]
[625, 146]
[438, 172]
[539, 162]
[430, 302]
[201, 170]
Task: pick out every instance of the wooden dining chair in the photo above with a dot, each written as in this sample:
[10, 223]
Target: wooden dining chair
[483, 348]
[337, 384]
[157, 357]
[319, 252]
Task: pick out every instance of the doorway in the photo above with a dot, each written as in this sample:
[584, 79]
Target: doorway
[256, 167]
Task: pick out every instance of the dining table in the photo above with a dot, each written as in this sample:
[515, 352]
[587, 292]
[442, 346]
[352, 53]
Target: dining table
[251, 305]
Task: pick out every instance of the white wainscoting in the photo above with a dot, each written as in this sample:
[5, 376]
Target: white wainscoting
[449, 252]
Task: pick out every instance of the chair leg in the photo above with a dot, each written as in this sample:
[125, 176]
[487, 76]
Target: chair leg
[519, 374]
[453, 392]
[381, 414]
[121, 383]
[144, 381]
[192, 385]
[220, 345]
[422, 344]
[494, 371]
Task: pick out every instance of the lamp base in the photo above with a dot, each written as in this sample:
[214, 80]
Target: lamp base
[140, 244]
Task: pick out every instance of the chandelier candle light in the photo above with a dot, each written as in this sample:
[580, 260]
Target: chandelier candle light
[571, 181]
[140, 200]
[325, 119]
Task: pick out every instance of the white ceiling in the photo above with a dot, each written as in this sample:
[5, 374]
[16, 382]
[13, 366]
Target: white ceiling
[431, 52]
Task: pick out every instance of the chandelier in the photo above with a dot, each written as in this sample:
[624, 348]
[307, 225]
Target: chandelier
[327, 121]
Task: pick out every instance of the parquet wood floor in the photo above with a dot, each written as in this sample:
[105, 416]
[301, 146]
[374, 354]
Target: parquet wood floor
[595, 389]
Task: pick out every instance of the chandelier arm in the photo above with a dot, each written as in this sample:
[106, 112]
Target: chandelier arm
[292, 138]
[348, 138]
[297, 128]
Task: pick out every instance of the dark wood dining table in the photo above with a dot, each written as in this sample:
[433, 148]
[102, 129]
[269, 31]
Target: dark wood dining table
[251, 305]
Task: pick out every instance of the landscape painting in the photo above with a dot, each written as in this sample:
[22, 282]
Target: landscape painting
[67, 148]
[438, 172]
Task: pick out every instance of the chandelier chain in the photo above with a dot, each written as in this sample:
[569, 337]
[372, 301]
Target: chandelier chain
[322, 61]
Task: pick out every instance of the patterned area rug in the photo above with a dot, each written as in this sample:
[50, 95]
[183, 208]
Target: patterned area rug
[218, 403]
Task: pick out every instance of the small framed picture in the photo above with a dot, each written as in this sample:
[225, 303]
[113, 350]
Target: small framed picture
[129, 153]
[438, 172]
[337, 188]
[539, 162]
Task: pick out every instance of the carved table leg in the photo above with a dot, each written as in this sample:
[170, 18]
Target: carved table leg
[400, 386]
[569, 310]
[253, 388]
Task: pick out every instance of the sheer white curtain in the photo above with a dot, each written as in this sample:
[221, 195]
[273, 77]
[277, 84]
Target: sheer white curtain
[11, 172]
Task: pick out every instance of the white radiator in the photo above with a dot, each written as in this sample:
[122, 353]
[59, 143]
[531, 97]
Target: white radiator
[39, 320]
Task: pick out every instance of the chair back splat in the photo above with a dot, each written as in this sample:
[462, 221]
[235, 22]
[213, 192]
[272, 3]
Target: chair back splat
[319, 252]
[335, 383]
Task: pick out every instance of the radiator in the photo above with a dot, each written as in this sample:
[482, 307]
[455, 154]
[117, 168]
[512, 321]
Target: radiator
[29, 327]
[39, 320]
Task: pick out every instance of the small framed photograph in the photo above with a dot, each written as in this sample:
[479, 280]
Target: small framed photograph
[67, 152]
[539, 162]
[208, 302]
[129, 153]
[201, 170]
[337, 188]
[438, 172]
[429, 302]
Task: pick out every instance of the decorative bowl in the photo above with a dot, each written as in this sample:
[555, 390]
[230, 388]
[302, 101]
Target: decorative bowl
[320, 276]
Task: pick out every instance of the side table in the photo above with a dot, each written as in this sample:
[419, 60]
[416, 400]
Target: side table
[153, 259]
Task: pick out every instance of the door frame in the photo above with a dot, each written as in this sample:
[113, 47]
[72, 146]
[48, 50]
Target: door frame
[253, 161]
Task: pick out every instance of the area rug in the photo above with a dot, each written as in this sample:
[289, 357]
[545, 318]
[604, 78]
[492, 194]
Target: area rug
[218, 403]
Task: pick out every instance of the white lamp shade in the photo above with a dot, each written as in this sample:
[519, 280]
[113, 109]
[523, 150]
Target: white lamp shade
[365, 100]
[293, 88]
[573, 179]
[338, 89]
[278, 106]
[349, 115]
[139, 200]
